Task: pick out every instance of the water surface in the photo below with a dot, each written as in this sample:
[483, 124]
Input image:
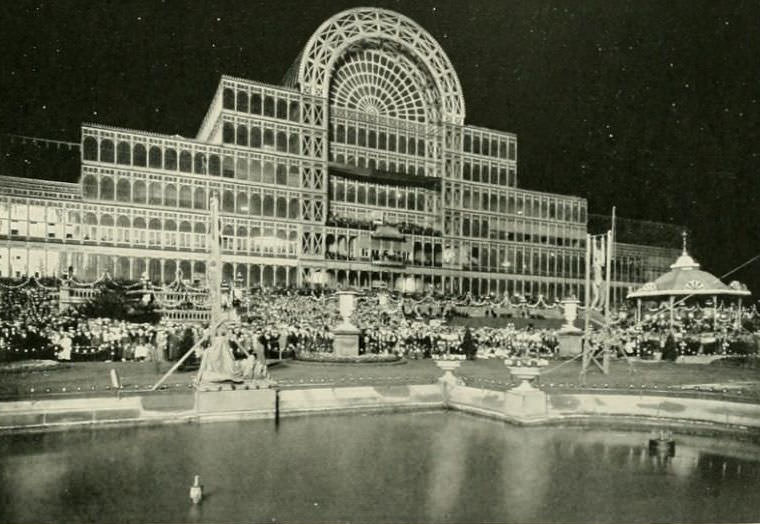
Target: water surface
[432, 467]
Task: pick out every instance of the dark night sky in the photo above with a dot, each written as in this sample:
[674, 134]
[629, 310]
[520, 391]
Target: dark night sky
[651, 106]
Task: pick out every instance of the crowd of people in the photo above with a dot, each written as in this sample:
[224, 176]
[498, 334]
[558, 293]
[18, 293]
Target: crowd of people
[291, 322]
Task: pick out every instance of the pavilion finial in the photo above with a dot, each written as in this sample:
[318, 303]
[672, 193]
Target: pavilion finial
[684, 235]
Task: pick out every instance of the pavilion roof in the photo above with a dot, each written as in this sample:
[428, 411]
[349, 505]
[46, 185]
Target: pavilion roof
[685, 278]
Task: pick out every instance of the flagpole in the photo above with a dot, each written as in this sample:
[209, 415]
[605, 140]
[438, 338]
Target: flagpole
[587, 310]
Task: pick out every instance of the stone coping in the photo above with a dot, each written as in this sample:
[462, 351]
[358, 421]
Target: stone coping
[524, 407]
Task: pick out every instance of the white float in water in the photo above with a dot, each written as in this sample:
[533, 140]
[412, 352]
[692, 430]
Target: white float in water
[196, 491]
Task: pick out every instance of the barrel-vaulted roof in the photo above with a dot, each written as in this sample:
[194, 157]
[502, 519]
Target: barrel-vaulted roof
[347, 31]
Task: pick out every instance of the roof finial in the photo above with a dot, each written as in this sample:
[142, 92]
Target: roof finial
[684, 235]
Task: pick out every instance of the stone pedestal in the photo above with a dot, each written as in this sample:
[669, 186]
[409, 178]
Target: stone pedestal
[346, 341]
[525, 401]
[570, 343]
[522, 403]
[448, 377]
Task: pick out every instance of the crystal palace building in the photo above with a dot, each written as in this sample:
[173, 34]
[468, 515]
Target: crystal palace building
[358, 170]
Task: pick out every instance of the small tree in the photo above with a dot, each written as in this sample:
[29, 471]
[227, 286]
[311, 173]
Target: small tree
[670, 351]
[468, 344]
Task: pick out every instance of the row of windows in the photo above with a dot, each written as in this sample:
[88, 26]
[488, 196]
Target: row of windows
[242, 167]
[495, 147]
[161, 232]
[488, 174]
[502, 229]
[533, 206]
[519, 260]
[395, 197]
[382, 140]
[265, 105]
[259, 137]
[386, 163]
[186, 197]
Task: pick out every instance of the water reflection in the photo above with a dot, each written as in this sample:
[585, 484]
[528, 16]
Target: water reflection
[422, 467]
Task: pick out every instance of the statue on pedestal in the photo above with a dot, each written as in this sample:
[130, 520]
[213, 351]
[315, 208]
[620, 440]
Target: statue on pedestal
[218, 363]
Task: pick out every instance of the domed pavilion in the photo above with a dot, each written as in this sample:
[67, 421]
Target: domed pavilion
[686, 282]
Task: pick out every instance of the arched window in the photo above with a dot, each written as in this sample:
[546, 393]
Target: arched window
[421, 147]
[90, 187]
[282, 207]
[228, 201]
[294, 208]
[199, 199]
[214, 167]
[154, 194]
[241, 168]
[268, 106]
[241, 204]
[106, 150]
[254, 173]
[242, 101]
[372, 138]
[185, 197]
[281, 176]
[228, 98]
[90, 148]
[256, 103]
[170, 159]
[294, 176]
[139, 155]
[170, 195]
[200, 164]
[294, 144]
[139, 192]
[170, 225]
[242, 135]
[123, 154]
[282, 141]
[268, 206]
[228, 133]
[185, 162]
[255, 204]
[228, 169]
[268, 174]
[268, 138]
[294, 113]
[255, 137]
[123, 190]
[106, 188]
[154, 157]
[412, 146]
[282, 109]
[372, 196]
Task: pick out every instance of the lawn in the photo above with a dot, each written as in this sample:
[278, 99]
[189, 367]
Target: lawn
[92, 378]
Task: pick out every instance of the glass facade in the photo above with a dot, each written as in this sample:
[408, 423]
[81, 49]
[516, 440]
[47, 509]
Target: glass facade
[358, 171]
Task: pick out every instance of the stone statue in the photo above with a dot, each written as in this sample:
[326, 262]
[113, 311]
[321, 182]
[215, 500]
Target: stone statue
[598, 261]
[217, 362]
